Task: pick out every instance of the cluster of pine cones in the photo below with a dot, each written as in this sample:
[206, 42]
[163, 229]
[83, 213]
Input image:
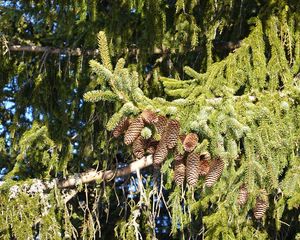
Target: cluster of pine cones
[187, 164]
[261, 203]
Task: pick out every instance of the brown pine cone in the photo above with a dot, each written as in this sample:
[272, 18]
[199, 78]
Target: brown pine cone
[178, 156]
[161, 124]
[151, 146]
[215, 172]
[190, 142]
[261, 205]
[192, 166]
[179, 171]
[204, 164]
[138, 147]
[160, 154]
[171, 133]
[134, 130]
[149, 116]
[203, 167]
[243, 195]
[151, 150]
[121, 127]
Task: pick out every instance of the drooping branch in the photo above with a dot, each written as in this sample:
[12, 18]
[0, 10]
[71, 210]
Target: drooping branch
[94, 175]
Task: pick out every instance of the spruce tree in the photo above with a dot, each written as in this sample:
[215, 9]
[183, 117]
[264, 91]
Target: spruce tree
[200, 98]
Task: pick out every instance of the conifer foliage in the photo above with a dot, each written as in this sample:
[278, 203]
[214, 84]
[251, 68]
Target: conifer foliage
[209, 89]
[223, 120]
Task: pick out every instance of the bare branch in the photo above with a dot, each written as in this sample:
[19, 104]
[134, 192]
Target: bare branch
[39, 49]
[132, 49]
[68, 51]
[91, 176]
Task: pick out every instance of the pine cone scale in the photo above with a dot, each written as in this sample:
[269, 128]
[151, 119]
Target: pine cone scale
[192, 166]
[243, 195]
[149, 116]
[161, 124]
[215, 172]
[138, 147]
[133, 130]
[171, 133]
[190, 142]
[121, 127]
[160, 154]
[261, 205]
[179, 171]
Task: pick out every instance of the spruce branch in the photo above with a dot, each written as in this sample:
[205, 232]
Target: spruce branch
[97, 95]
[104, 51]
